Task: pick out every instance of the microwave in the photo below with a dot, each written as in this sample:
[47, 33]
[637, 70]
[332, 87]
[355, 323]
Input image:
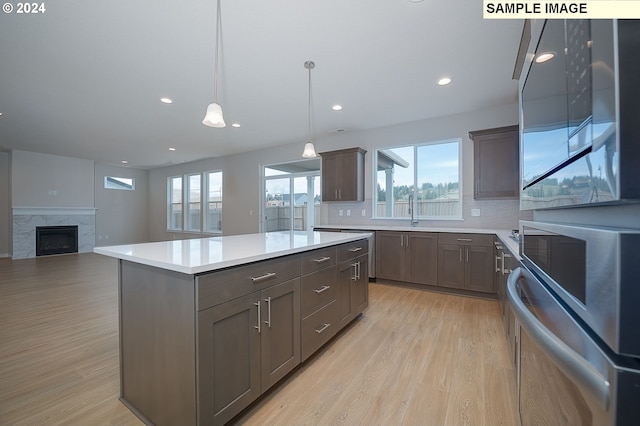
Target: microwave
[579, 131]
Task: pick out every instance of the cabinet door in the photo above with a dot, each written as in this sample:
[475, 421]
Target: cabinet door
[330, 165]
[479, 264]
[451, 266]
[390, 255]
[421, 258]
[233, 360]
[496, 163]
[360, 286]
[348, 173]
[346, 273]
[280, 331]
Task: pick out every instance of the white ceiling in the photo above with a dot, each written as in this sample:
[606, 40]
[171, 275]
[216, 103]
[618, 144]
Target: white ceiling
[84, 78]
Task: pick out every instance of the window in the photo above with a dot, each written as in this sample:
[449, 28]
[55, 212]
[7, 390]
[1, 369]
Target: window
[423, 177]
[194, 195]
[174, 212]
[213, 202]
[112, 182]
[186, 196]
[291, 195]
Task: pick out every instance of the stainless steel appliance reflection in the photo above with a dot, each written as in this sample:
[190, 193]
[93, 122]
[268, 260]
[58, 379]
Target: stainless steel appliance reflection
[566, 376]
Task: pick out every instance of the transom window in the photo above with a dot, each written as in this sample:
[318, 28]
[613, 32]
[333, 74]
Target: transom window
[425, 178]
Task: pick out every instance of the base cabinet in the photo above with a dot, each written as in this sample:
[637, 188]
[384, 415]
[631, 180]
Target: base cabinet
[407, 256]
[197, 349]
[353, 293]
[248, 344]
[465, 261]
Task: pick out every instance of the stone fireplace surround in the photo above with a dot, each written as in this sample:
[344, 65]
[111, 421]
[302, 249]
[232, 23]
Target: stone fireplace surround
[25, 220]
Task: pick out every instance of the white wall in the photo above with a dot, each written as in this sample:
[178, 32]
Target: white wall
[241, 173]
[5, 205]
[44, 180]
[121, 216]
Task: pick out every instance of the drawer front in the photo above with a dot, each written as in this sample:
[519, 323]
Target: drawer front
[353, 249]
[218, 287]
[466, 239]
[318, 290]
[316, 260]
[318, 328]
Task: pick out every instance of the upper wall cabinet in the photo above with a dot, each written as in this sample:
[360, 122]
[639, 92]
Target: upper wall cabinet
[343, 175]
[496, 163]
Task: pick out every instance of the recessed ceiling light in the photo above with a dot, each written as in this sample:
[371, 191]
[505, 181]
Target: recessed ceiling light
[235, 125]
[444, 81]
[336, 107]
[0, 113]
[166, 101]
[124, 161]
[544, 57]
[172, 149]
[416, 1]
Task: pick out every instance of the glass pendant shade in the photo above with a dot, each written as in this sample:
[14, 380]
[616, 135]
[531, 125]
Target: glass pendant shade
[214, 118]
[309, 150]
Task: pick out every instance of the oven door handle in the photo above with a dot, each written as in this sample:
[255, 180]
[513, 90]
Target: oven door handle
[575, 366]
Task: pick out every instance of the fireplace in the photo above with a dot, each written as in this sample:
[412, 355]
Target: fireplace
[56, 240]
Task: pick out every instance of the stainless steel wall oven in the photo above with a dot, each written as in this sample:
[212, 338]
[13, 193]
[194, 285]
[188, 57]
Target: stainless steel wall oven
[576, 304]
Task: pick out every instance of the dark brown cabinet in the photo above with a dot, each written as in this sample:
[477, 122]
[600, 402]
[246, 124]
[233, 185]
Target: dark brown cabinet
[353, 280]
[496, 167]
[466, 262]
[343, 175]
[319, 291]
[248, 344]
[407, 256]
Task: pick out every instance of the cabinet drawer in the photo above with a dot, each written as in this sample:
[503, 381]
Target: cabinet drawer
[466, 239]
[318, 259]
[318, 290]
[353, 249]
[218, 287]
[318, 328]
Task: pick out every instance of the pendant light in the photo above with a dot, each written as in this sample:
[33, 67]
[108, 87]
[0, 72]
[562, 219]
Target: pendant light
[309, 150]
[214, 118]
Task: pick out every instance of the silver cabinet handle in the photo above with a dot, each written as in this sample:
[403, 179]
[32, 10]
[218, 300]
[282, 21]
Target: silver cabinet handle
[268, 321]
[460, 251]
[358, 271]
[498, 269]
[264, 277]
[339, 194]
[586, 377]
[257, 327]
[354, 277]
[401, 240]
[466, 239]
[504, 270]
[322, 289]
[355, 249]
[467, 251]
[323, 328]
[322, 259]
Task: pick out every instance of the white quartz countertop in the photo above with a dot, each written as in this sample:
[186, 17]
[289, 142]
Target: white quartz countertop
[208, 254]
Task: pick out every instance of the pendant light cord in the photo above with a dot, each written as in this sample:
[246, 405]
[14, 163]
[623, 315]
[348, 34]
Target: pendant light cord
[309, 109]
[215, 70]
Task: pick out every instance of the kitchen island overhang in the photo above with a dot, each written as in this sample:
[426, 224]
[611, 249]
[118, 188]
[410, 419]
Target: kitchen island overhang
[207, 325]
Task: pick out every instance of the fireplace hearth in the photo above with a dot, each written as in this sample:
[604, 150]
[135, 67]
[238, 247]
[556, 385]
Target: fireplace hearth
[56, 240]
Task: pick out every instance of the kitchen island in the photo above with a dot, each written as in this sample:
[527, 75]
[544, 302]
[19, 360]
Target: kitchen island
[208, 325]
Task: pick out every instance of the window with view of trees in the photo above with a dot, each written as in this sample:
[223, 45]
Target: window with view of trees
[424, 177]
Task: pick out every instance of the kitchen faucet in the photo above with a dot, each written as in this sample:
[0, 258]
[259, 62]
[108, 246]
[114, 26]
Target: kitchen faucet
[414, 221]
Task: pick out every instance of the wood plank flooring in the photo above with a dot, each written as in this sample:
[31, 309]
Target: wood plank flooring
[414, 357]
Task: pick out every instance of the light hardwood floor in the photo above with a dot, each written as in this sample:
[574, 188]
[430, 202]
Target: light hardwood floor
[414, 357]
